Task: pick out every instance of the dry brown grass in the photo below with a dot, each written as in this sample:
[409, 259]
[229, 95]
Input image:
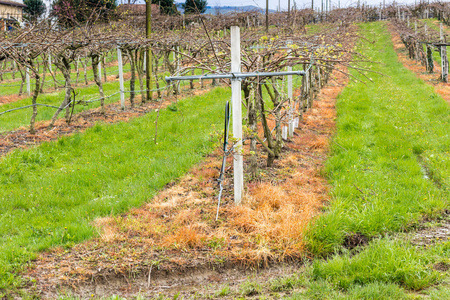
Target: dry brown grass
[177, 228]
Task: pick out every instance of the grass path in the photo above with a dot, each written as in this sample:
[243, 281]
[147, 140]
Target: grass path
[390, 170]
[51, 193]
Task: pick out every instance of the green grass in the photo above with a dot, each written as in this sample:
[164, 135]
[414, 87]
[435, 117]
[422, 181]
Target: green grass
[388, 133]
[387, 261]
[14, 120]
[50, 194]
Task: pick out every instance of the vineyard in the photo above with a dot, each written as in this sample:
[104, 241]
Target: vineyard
[298, 155]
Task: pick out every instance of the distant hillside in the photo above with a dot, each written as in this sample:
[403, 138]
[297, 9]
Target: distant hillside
[213, 10]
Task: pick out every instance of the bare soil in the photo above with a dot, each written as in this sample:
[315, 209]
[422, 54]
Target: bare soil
[173, 244]
[433, 232]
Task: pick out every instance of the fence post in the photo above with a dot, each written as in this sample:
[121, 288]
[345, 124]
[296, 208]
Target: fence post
[50, 62]
[145, 61]
[100, 69]
[119, 60]
[444, 61]
[238, 163]
[27, 77]
[291, 101]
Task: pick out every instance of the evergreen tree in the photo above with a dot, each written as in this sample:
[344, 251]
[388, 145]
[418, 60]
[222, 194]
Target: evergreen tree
[77, 12]
[194, 6]
[166, 7]
[34, 10]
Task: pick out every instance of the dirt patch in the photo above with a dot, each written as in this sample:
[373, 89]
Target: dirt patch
[176, 235]
[441, 88]
[433, 232]
[354, 240]
[441, 266]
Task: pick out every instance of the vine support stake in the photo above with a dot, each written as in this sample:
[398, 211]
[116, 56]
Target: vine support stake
[291, 101]
[122, 95]
[237, 113]
[100, 69]
[27, 78]
[148, 54]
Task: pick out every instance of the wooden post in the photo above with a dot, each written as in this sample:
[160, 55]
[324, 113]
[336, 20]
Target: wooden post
[178, 69]
[50, 62]
[100, 69]
[145, 61]
[444, 61]
[238, 163]
[291, 101]
[415, 27]
[148, 63]
[27, 77]
[122, 95]
[284, 133]
[380, 13]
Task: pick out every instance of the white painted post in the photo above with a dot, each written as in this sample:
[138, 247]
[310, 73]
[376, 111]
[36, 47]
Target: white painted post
[291, 101]
[27, 77]
[426, 29]
[122, 95]
[178, 69]
[380, 13]
[398, 12]
[444, 61]
[100, 69]
[285, 133]
[50, 62]
[238, 162]
[408, 21]
[145, 60]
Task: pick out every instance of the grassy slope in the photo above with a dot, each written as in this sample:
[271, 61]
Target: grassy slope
[386, 130]
[51, 193]
[390, 132]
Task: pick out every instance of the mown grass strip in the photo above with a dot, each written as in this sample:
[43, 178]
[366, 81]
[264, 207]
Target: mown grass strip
[50, 194]
[388, 169]
[14, 120]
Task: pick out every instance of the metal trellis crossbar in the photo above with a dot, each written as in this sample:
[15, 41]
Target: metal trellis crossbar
[236, 76]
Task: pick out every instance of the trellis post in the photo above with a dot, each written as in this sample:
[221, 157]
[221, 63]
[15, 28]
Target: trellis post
[100, 69]
[238, 162]
[27, 77]
[291, 101]
[50, 62]
[119, 60]
[444, 61]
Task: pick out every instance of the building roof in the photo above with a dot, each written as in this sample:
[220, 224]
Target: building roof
[12, 3]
